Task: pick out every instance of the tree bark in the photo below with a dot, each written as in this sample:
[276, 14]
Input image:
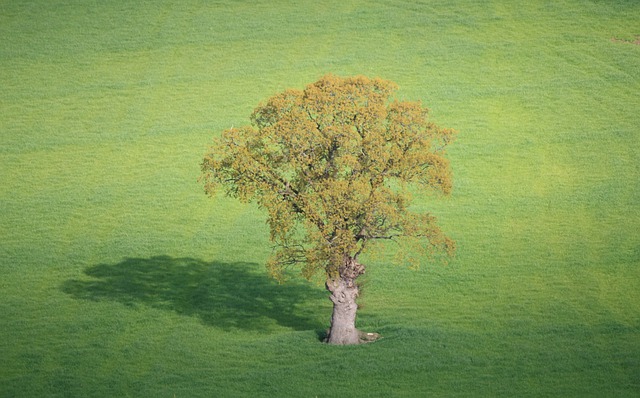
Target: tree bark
[344, 292]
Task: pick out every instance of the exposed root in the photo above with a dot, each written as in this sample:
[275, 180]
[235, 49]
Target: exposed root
[368, 337]
[636, 41]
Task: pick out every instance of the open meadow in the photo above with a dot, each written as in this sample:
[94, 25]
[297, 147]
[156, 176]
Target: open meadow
[121, 278]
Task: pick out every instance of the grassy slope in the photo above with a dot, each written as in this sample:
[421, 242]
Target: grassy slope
[121, 278]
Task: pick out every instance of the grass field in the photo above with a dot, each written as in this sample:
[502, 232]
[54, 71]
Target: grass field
[118, 273]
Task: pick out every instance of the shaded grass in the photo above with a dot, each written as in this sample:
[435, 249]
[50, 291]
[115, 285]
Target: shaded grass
[226, 296]
[121, 278]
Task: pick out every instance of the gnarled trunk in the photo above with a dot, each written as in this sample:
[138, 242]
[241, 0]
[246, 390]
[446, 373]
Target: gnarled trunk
[344, 292]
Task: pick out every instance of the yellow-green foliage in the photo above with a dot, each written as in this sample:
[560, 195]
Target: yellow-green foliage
[331, 164]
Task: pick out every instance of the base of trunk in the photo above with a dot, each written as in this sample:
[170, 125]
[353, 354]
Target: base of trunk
[363, 337]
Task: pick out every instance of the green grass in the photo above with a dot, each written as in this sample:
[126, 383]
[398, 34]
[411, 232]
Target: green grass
[120, 278]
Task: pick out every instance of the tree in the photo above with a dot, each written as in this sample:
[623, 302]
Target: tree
[332, 165]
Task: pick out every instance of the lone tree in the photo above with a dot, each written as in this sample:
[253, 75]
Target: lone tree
[332, 165]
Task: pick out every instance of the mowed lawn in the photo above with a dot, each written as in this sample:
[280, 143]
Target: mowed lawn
[121, 278]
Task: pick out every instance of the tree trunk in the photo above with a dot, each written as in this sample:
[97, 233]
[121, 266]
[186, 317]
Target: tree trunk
[344, 292]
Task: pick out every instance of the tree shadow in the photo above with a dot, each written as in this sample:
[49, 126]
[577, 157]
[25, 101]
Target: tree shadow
[224, 295]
